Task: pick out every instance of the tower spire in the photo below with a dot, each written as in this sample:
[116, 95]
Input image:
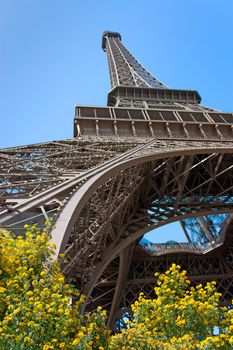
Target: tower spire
[124, 69]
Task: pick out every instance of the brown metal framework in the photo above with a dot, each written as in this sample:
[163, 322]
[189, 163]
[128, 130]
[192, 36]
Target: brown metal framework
[153, 156]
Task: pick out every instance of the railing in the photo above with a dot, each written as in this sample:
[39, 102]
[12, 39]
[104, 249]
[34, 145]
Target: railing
[190, 247]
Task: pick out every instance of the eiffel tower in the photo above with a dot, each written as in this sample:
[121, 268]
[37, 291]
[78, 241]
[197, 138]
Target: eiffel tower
[152, 156]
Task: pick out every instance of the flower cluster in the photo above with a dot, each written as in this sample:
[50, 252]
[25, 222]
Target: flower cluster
[179, 317]
[38, 310]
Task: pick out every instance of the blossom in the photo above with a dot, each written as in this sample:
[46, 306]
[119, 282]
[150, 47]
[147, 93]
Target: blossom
[179, 317]
[35, 301]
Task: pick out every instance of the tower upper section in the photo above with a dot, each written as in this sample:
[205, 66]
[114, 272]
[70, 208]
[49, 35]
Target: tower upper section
[139, 105]
[133, 86]
[124, 69]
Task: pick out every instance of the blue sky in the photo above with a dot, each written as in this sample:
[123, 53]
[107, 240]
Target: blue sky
[51, 57]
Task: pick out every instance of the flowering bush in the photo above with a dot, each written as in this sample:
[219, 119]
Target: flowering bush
[37, 308]
[39, 311]
[180, 317]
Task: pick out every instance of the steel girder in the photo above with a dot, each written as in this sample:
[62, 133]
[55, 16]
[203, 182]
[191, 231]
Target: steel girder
[144, 193]
[102, 213]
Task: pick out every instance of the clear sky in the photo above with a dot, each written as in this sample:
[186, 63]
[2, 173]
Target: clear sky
[51, 57]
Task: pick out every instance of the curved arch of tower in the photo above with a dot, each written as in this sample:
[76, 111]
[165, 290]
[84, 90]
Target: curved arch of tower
[152, 156]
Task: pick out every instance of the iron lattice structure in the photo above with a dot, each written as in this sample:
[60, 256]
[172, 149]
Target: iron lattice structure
[152, 156]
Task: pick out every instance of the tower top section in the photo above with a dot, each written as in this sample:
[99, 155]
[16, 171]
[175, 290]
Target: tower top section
[109, 35]
[124, 69]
